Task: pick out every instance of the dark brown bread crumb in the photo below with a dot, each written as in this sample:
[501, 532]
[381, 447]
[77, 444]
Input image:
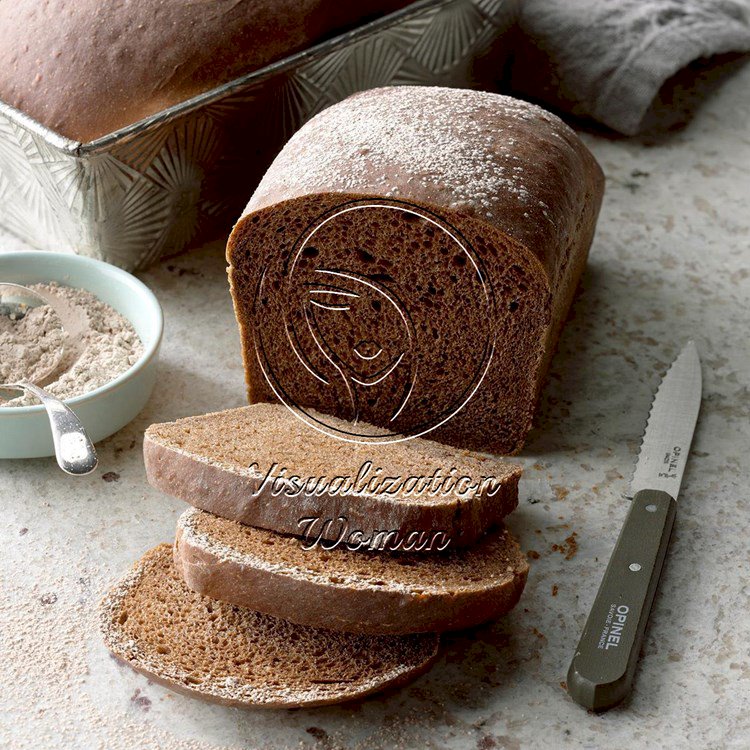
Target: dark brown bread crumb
[342, 589]
[238, 657]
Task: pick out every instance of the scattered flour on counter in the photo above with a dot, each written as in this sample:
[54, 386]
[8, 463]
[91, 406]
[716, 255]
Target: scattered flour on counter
[109, 346]
[51, 642]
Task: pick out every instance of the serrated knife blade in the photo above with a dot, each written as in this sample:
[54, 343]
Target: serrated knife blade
[602, 669]
[669, 430]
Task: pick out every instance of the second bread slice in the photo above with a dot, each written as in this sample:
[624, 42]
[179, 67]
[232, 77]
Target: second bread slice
[346, 590]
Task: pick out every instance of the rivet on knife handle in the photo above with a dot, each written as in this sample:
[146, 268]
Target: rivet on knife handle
[601, 672]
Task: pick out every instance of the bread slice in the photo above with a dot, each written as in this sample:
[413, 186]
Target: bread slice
[195, 645]
[342, 589]
[218, 462]
[409, 260]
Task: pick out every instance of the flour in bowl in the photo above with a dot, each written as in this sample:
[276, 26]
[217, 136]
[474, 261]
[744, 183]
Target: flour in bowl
[108, 345]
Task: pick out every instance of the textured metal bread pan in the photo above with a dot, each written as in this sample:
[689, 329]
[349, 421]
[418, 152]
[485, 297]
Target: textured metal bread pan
[183, 175]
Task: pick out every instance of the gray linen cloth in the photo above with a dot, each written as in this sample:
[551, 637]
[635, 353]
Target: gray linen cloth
[608, 59]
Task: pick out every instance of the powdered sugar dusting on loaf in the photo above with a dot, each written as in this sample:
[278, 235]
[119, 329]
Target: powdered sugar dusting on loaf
[459, 144]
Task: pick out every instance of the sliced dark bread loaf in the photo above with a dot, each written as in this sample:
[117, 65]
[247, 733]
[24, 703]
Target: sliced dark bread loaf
[409, 260]
[204, 648]
[343, 589]
[218, 462]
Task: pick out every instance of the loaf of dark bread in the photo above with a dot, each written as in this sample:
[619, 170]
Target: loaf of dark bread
[86, 68]
[345, 587]
[154, 623]
[409, 260]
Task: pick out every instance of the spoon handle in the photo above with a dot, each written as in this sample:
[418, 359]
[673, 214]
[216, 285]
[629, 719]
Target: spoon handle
[74, 452]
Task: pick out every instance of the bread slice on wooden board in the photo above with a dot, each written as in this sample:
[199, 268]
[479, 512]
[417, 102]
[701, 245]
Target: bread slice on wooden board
[442, 230]
[342, 589]
[215, 651]
[218, 462]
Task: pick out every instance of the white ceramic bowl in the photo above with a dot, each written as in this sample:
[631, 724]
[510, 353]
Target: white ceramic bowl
[24, 430]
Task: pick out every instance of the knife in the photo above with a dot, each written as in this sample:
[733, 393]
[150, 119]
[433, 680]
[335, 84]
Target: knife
[601, 673]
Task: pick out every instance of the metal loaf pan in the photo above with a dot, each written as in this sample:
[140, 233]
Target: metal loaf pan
[183, 176]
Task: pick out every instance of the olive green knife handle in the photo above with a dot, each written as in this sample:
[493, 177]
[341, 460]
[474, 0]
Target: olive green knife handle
[602, 669]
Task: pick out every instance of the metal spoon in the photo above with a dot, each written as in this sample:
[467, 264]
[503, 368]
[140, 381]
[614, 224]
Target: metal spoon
[74, 450]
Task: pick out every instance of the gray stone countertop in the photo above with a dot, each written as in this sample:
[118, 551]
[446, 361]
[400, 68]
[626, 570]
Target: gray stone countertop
[671, 261]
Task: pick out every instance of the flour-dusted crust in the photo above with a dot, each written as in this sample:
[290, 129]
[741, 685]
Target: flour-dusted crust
[205, 461]
[86, 68]
[513, 182]
[218, 652]
[346, 590]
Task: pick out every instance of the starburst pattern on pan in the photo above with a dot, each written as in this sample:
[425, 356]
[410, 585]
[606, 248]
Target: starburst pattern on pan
[178, 171]
[406, 35]
[237, 102]
[450, 37]
[371, 64]
[498, 11]
[135, 226]
[322, 71]
[293, 102]
[414, 73]
[138, 153]
[17, 151]
[33, 203]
